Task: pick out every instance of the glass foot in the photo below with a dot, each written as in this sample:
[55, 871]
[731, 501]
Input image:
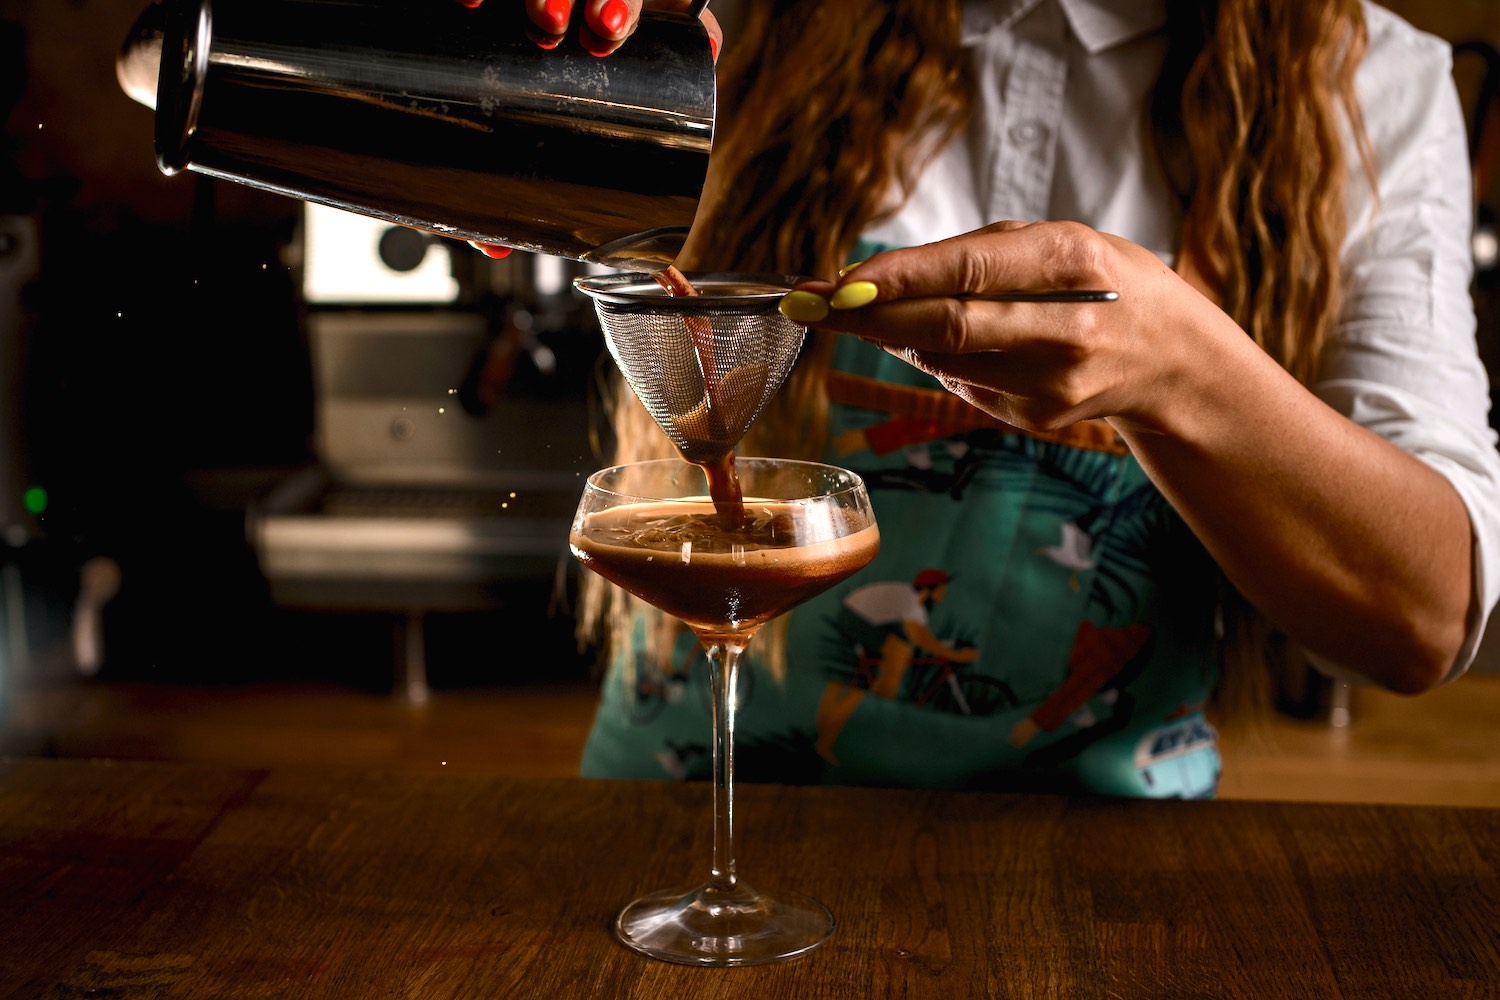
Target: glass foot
[715, 926]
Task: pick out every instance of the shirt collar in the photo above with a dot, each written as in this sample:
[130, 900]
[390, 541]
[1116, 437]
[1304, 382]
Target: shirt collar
[1098, 24]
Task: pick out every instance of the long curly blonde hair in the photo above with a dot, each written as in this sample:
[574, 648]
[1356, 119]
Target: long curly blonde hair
[828, 111]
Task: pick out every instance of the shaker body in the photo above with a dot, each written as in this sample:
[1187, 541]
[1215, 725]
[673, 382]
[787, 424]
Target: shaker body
[446, 119]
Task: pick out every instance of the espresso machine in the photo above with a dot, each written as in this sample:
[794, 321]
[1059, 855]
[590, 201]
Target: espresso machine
[452, 428]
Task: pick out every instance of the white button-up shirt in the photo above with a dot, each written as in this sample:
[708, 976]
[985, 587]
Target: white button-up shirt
[1057, 134]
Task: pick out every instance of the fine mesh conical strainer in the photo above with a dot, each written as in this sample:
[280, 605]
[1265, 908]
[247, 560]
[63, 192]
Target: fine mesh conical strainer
[704, 365]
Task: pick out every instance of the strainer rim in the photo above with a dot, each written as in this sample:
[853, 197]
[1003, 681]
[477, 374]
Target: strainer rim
[640, 288]
[853, 482]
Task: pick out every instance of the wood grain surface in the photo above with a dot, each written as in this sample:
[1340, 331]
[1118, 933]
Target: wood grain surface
[152, 879]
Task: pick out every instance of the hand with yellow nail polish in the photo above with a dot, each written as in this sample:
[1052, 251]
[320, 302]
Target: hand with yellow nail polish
[1198, 436]
[1035, 364]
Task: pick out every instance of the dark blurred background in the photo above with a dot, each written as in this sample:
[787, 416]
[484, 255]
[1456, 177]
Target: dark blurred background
[171, 398]
[161, 383]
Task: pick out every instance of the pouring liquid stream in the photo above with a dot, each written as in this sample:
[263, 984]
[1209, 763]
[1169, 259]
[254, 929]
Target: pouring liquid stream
[723, 478]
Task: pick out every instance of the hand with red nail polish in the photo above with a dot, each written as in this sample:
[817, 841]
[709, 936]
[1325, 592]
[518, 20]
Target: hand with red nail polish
[604, 25]
[608, 23]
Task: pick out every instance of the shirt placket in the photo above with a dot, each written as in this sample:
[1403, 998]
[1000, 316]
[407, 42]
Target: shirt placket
[1023, 144]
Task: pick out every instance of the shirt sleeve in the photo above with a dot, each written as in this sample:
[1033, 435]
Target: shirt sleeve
[1404, 361]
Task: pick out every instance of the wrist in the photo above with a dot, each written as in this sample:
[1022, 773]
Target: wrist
[1209, 379]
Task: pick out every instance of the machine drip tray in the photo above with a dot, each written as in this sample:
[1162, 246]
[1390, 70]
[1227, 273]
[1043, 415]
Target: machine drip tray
[407, 551]
[323, 543]
[417, 503]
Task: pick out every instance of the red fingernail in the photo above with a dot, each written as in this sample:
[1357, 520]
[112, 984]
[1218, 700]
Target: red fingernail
[558, 11]
[492, 250]
[614, 15]
[713, 46]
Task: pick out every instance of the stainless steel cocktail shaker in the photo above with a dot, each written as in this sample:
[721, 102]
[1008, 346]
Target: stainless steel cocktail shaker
[439, 117]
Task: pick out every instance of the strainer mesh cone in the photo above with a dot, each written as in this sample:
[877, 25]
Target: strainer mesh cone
[704, 365]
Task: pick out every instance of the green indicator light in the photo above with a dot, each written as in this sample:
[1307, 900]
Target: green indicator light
[35, 499]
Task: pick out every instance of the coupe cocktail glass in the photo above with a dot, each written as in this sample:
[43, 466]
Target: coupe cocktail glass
[652, 529]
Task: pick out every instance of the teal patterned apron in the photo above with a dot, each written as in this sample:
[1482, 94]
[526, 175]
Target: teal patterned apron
[1037, 618]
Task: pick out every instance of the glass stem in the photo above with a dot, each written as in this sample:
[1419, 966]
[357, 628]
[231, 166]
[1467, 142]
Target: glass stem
[724, 665]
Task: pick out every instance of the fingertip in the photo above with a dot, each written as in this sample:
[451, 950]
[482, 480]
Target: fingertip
[854, 294]
[554, 16]
[715, 32]
[494, 251]
[801, 306]
[595, 45]
[612, 19]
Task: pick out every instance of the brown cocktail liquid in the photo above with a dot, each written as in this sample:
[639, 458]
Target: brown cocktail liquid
[679, 557]
[723, 478]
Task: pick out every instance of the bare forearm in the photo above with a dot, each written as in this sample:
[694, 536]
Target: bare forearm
[1356, 549]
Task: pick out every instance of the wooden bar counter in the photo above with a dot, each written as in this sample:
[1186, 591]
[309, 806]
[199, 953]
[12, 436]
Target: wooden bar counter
[144, 880]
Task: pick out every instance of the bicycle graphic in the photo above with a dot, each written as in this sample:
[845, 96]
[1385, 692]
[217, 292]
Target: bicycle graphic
[938, 682]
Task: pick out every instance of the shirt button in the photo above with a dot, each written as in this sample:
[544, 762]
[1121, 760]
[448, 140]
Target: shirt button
[1025, 132]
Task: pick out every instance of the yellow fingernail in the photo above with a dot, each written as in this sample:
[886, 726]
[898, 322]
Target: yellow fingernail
[803, 307]
[854, 295]
[849, 267]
